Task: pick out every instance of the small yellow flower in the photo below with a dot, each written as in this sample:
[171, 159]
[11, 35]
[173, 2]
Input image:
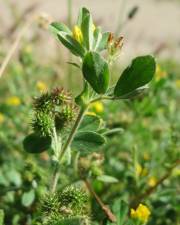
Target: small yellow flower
[13, 101]
[142, 213]
[90, 113]
[160, 73]
[98, 107]
[152, 181]
[178, 83]
[41, 86]
[146, 156]
[77, 34]
[1, 118]
[176, 172]
[138, 169]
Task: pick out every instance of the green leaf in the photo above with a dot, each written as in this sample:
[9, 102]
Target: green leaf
[120, 209]
[83, 98]
[113, 131]
[56, 27]
[97, 38]
[34, 143]
[83, 13]
[107, 179]
[104, 41]
[96, 72]
[28, 198]
[87, 141]
[87, 31]
[90, 123]
[1, 217]
[69, 42]
[74, 64]
[135, 93]
[138, 74]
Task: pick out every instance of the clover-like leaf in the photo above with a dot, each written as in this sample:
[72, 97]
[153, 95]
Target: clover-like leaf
[34, 143]
[56, 27]
[87, 31]
[104, 42]
[87, 141]
[83, 13]
[96, 72]
[138, 74]
[69, 42]
[90, 123]
[107, 179]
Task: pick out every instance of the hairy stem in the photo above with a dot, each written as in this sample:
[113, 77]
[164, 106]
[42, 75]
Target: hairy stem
[65, 147]
[55, 178]
[111, 217]
[73, 132]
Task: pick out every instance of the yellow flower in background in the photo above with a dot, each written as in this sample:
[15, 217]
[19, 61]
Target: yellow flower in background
[138, 169]
[176, 172]
[13, 101]
[77, 34]
[41, 86]
[142, 213]
[146, 156]
[1, 118]
[178, 83]
[98, 107]
[152, 181]
[160, 73]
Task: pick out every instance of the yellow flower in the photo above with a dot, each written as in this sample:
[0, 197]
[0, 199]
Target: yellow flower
[1, 118]
[77, 34]
[146, 156]
[160, 73]
[142, 213]
[152, 181]
[98, 107]
[138, 169]
[176, 172]
[178, 83]
[13, 101]
[41, 86]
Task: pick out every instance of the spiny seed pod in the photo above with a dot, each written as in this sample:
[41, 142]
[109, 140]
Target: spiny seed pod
[65, 117]
[43, 123]
[74, 199]
[50, 203]
[59, 96]
[53, 110]
[43, 103]
[66, 206]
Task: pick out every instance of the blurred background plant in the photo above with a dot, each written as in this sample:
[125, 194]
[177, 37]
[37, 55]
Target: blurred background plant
[143, 158]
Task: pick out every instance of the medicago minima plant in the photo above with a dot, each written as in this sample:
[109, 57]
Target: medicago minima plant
[62, 126]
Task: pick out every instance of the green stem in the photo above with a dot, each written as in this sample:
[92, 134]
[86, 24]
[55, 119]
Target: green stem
[55, 177]
[73, 132]
[65, 147]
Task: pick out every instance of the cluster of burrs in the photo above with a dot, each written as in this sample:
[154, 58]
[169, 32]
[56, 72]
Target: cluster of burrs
[53, 110]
